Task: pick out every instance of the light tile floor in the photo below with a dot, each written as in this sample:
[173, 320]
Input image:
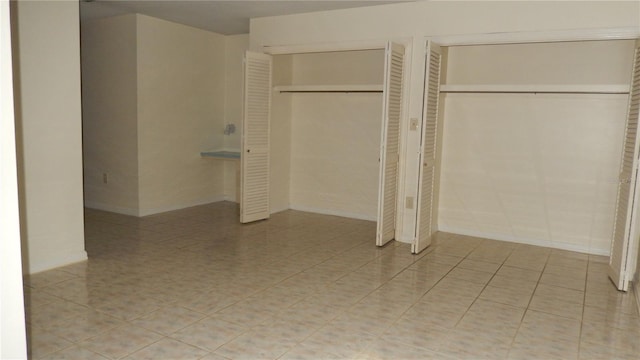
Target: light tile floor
[195, 284]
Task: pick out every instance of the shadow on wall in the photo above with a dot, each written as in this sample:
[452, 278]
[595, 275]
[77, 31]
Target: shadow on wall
[17, 102]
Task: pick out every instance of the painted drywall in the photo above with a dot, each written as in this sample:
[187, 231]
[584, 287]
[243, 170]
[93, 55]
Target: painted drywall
[280, 139]
[364, 67]
[334, 153]
[153, 100]
[413, 22]
[110, 111]
[235, 48]
[335, 137]
[13, 343]
[439, 18]
[181, 84]
[49, 127]
[563, 63]
[538, 169]
[534, 168]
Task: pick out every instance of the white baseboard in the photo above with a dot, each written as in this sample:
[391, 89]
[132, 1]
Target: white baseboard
[332, 212]
[111, 208]
[151, 211]
[278, 209]
[56, 260]
[230, 199]
[528, 241]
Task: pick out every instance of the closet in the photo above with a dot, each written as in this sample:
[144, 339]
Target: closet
[321, 133]
[532, 144]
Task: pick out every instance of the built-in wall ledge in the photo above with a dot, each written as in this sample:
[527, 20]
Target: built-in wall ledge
[328, 88]
[221, 154]
[538, 89]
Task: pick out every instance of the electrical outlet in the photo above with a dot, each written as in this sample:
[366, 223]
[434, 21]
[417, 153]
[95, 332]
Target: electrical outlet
[413, 124]
[105, 178]
[409, 202]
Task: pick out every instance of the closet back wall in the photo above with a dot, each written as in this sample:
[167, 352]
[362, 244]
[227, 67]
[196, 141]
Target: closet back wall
[335, 137]
[534, 168]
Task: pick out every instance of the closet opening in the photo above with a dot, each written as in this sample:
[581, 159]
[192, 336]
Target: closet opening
[531, 142]
[333, 124]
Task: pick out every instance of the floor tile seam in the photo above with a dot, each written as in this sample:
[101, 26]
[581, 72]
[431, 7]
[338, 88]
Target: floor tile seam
[483, 288]
[527, 307]
[209, 351]
[555, 297]
[584, 302]
[101, 332]
[48, 354]
[204, 316]
[408, 308]
[140, 349]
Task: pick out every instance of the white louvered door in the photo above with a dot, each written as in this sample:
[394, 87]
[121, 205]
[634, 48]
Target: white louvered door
[428, 148]
[254, 175]
[626, 188]
[389, 144]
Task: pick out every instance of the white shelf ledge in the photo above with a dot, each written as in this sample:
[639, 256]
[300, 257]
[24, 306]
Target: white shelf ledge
[221, 154]
[327, 88]
[537, 89]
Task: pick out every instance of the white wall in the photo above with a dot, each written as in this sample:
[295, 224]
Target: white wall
[280, 140]
[181, 85]
[50, 133]
[235, 48]
[110, 111]
[538, 169]
[573, 63]
[364, 67]
[325, 146]
[154, 99]
[12, 326]
[535, 168]
[335, 146]
[417, 20]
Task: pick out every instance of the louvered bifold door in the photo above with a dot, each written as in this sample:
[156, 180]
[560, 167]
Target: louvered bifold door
[628, 171]
[254, 174]
[427, 172]
[389, 144]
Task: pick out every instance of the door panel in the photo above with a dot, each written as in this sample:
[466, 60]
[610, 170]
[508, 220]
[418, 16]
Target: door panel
[626, 188]
[254, 176]
[389, 144]
[426, 177]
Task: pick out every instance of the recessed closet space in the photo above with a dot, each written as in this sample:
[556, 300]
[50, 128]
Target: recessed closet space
[532, 141]
[326, 120]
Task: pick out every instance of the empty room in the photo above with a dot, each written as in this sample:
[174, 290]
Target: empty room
[320, 180]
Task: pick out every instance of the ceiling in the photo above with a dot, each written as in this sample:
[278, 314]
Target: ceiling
[223, 17]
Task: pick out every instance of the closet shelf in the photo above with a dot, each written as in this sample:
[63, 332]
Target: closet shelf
[538, 89]
[328, 88]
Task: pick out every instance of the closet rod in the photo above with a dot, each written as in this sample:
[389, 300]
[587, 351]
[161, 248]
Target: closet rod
[355, 88]
[534, 92]
[599, 89]
[330, 91]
